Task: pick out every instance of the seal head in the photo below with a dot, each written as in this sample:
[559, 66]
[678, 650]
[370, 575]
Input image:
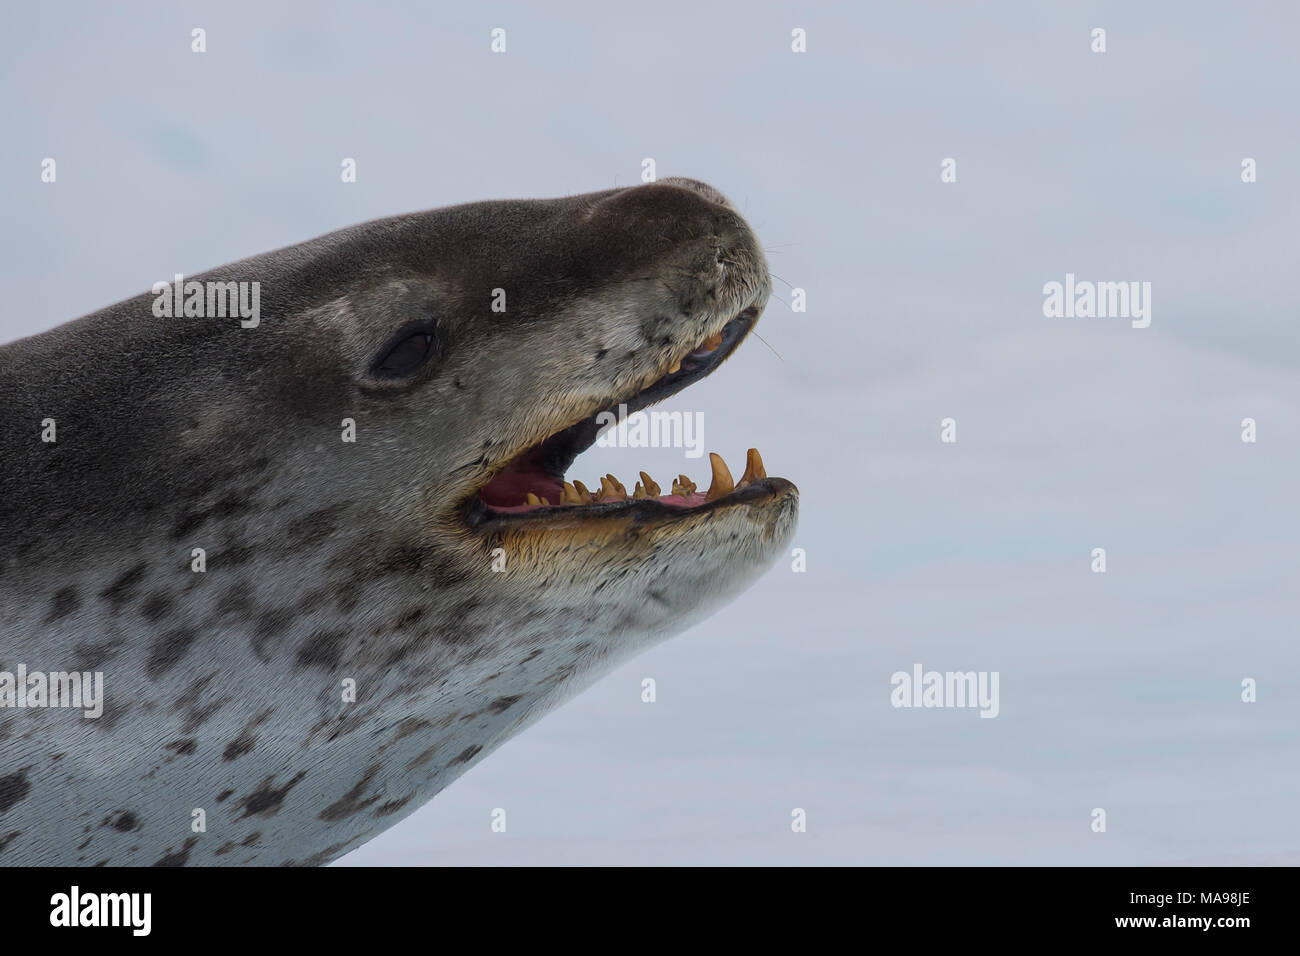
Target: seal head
[327, 563]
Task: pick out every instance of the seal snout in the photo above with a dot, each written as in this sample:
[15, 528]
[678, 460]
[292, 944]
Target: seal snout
[698, 283]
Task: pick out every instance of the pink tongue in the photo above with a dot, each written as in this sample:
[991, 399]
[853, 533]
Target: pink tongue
[512, 488]
[690, 502]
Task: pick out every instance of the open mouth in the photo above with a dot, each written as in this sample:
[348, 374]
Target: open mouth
[533, 483]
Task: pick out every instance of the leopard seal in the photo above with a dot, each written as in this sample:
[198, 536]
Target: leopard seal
[328, 561]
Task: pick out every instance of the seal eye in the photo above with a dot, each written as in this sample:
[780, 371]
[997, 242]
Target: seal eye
[405, 353]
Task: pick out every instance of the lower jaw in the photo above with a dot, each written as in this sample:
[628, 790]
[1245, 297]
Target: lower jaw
[672, 501]
[666, 510]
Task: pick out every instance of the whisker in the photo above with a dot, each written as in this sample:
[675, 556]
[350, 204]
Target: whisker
[769, 346]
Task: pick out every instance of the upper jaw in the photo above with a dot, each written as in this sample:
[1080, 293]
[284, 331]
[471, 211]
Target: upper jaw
[559, 450]
[694, 366]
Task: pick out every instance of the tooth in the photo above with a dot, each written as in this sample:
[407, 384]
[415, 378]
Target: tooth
[722, 483]
[532, 499]
[712, 342]
[639, 493]
[676, 366]
[571, 495]
[683, 486]
[651, 489]
[588, 497]
[611, 490]
[753, 468]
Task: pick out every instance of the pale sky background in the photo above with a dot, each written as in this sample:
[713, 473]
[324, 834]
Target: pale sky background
[1119, 691]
